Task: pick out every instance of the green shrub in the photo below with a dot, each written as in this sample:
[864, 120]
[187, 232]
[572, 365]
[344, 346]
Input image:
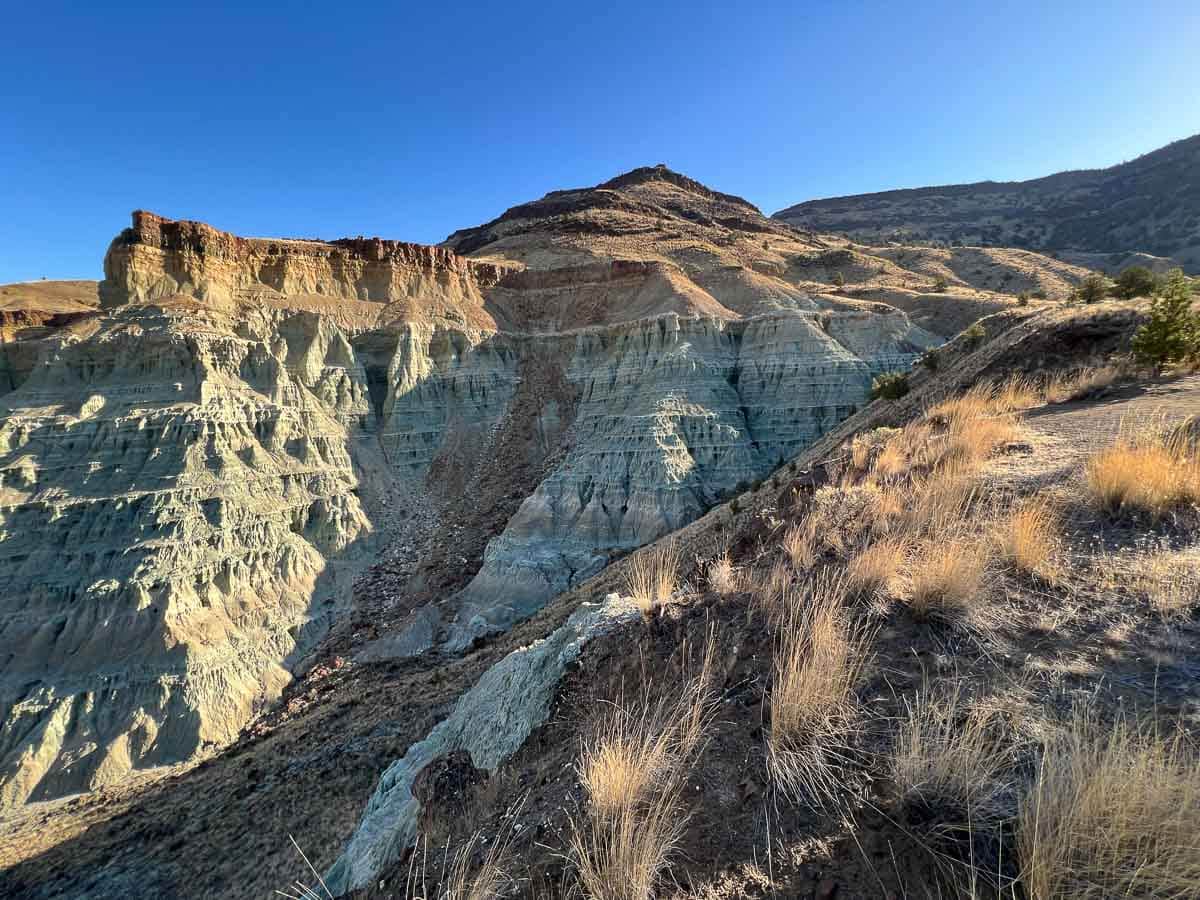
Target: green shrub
[1039, 294]
[974, 334]
[1136, 281]
[930, 360]
[1092, 289]
[838, 279]
[889, 386]
[1173, 332]
[1023, 298]
[940, 285]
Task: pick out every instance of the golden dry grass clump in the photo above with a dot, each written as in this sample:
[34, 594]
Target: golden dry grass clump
[1113, 812]
[1028, 537]
[652, 576]
[722, 577]
[801, 544]
[1151, 473]
[819, 658]
[947, 582]
[633, 768]
[871, 572]
[1085, 382]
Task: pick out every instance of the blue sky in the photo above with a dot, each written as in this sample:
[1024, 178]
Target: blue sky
[409, 121]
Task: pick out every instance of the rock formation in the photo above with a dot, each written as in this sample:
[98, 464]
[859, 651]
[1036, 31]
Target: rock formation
[191, 478]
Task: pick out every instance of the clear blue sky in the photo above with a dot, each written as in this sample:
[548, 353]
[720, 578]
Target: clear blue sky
[409, 121]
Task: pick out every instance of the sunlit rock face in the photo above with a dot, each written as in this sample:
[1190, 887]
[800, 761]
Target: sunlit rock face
[675, 413]
[192, 475]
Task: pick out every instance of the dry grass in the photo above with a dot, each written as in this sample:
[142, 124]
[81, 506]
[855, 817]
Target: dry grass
[771, 592]
[801, 544]
[939, 502]
[1083, 383]
[1015, 393]
[972, 404]
[633, 769]
[487, 881]
[1028, 538]
[871, 572]
[819, 658]
[1169, 584]
[947, 582]
[892, 461]
[1113, 812]
[948, 767]
[722, 577]
[652, 576]
[1152, 473]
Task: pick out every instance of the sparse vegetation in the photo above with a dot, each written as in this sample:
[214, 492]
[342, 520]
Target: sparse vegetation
[949, 770]
[871, 571]
[652, 576]
[818, 659]
[1114, 811]
[889, 386]
[838, 279]
[946, 583]
[940, 285]
[1153, 473]
[1028, 537]
[722, 577]
[633, 769]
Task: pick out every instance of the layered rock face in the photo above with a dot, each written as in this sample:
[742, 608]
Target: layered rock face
[675, 413]
[190, 479]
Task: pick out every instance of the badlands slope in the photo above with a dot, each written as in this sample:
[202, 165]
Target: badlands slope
[195, 475]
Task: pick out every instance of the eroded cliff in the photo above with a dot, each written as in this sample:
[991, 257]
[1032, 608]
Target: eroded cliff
[191, 480]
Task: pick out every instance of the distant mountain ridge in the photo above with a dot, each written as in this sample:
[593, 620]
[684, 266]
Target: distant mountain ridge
[1150, 205]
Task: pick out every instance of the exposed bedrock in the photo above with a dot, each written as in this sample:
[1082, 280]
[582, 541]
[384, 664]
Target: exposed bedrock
[190, 480]
[674, 413]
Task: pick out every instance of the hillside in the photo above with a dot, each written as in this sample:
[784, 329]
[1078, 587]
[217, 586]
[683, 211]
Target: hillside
[1096, 218]
[284, 521]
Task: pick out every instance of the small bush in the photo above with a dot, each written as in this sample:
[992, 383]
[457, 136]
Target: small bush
[931, 360]
[889, 386]
[1023, 298]
[940, 285]
[1092, 289]
[974, 335]
[838, 279]
[1136, 281]
[1173, 332]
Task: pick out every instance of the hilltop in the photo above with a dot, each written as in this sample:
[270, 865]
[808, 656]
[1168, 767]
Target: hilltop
[1100, 218]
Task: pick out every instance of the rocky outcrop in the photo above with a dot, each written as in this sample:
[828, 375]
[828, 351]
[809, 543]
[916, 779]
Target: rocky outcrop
[190, 479]
[675, 413]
